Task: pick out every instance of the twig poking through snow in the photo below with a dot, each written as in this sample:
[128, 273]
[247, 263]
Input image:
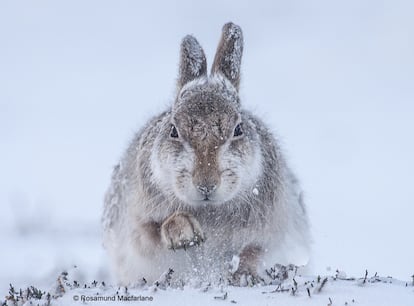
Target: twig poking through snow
[365, 278]
[60, 288]
[222, 297]
[165, 280]
[206, 287]
[319, 289]
[295, 286]
[342, 276]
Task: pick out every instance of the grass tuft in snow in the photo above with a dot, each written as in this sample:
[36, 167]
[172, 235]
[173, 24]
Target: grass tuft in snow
[31, 294]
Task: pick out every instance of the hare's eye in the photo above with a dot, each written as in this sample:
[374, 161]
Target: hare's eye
[238, 131]
[173, 132]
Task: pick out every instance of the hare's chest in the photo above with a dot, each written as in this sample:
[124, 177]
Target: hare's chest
[227, 236]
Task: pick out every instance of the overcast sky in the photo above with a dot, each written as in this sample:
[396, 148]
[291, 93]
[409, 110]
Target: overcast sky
[334, 80]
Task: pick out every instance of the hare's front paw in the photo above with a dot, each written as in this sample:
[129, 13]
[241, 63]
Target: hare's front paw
[181, 230]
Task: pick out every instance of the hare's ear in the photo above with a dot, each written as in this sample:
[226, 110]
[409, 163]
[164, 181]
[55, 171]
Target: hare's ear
[193, 63]
[229, 54]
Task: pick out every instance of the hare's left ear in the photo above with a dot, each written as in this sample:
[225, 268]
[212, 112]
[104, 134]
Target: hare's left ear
[229, 54]
[193, 63]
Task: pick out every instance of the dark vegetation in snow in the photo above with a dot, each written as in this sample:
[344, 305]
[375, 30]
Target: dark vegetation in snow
[284, 280]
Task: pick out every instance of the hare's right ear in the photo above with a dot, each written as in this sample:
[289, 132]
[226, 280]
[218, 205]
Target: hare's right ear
[193, 63]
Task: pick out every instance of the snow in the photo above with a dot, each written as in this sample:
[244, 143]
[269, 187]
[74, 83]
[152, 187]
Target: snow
[234, 264]
[297, 290]
[333, 79]
[340, 292]
[255, 191]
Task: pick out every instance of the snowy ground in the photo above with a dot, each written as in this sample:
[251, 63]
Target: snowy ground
[333, 79]
[337, 289]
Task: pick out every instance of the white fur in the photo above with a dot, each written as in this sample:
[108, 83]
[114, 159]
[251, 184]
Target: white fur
[257, 201]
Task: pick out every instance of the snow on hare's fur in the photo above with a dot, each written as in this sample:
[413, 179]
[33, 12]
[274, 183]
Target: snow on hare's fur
[204, 182]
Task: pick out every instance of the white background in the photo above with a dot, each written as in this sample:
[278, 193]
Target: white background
[333, 79]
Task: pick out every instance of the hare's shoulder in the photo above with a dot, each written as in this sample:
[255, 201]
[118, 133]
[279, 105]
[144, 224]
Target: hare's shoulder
[261, 133]
[139, 150]
[144, 138]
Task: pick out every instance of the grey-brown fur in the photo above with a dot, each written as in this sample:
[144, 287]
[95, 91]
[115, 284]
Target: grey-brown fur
[190, 192]
[229, 54]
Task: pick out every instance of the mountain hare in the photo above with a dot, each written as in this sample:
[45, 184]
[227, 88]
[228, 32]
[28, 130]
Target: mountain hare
[203, 188]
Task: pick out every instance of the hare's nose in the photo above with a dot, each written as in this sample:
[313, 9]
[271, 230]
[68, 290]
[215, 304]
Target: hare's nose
[206, 189]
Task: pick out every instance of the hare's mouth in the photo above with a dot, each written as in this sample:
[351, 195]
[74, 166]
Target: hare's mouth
[206, 200]
[201, 197]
